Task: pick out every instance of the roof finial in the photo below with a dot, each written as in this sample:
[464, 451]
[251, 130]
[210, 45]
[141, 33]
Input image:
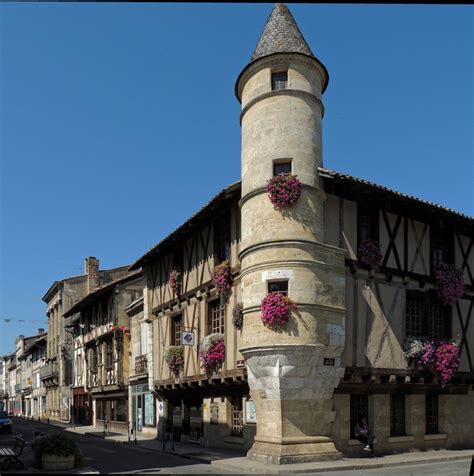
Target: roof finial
[281, 35]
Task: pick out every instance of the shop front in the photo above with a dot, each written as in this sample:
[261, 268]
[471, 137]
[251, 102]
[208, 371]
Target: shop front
[111, 411]
[143, 408]
[82, 406]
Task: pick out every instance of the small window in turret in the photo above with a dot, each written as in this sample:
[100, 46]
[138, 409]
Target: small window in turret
[278, 287]
[282, 168]
[279, 80]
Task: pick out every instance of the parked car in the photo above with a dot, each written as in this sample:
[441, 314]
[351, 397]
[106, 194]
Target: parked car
[5, 422]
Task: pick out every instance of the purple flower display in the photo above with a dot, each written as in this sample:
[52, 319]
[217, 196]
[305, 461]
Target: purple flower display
[284, 190]
[441, 358]
[175, 282]
[447, 360]
[276, 310]
[222, 280]
[212, 353]
[174, 357]
[369, 254]
[449, 283]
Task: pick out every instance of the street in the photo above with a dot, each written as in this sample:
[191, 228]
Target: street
[105, 456]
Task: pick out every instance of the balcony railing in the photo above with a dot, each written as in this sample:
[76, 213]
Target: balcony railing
[141, 364]
[49, 371]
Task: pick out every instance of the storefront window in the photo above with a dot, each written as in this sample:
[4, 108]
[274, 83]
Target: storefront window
[121, 410]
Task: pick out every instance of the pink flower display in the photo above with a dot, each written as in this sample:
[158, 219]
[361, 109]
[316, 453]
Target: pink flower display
[449, 283]
[222, 280]
[174, 357]
[284, 190]
[276, 310]
[441, 358]
[447, 360]
[175, 282]
[369, 254]
[212, 353]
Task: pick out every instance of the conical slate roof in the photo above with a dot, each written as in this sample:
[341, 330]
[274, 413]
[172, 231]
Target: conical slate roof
[281, 35]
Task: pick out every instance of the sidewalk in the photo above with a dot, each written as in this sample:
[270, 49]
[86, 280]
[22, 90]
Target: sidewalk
[235, 460]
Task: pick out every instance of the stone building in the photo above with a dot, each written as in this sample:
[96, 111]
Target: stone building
[4, 384]
[10, 379]
[141, 398]
[293, 395]
[30, 355]
[57, 374]
[101, 333]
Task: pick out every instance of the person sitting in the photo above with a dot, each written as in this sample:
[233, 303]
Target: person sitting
[361, 432]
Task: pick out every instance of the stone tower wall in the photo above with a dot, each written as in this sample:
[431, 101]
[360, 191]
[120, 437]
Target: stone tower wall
[291, 386]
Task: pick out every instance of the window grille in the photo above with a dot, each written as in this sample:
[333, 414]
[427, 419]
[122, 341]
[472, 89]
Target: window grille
[281, 168]
[436, 321]
[431, 414]
[279, 80]
[176, 324]
[397, 415]
[414, 311]
[359, 407]
[222, 238]
[216, 317]
[278, 287]
[237, 416]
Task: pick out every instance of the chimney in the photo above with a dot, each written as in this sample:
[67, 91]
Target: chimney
[40, 330]
[91, 269]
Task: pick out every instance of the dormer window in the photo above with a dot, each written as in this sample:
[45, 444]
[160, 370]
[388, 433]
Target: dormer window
[279, 80]
[282, 167]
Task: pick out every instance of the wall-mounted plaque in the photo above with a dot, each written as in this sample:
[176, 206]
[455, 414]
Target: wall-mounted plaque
[214, 413]
[250, 414]
[187, 338]
[329, 361]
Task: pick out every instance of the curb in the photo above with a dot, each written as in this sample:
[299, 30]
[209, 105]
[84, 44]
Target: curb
[351, 467]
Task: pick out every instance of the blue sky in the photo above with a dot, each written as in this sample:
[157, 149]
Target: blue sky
[118, 121]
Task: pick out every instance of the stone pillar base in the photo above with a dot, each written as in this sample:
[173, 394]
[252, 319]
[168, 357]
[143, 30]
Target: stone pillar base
[294, 450]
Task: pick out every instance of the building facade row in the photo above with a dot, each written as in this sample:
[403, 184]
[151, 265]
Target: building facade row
[128, 349]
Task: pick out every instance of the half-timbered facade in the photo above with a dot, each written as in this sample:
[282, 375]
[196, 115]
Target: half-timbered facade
[101, 332]
[294, 395]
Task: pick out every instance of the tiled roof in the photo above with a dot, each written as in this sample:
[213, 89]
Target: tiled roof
[89, 298]
[235, 188]
[281, 35]
[350, 178]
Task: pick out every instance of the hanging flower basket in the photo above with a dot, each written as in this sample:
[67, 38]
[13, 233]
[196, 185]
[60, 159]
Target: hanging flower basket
[212, 353]
[276, 310]
[222, 280]
[447, 360]
[441, 359]
[283, 190]
[175, 282]
[238, 317]
[369, 253]
[174, 356]
[449, 283]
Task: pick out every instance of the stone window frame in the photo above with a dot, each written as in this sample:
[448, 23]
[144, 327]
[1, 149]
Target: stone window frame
[358, 404]
[279, 80]
[285, 292]
[281, 163]
[398, 415]
[431, 414]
